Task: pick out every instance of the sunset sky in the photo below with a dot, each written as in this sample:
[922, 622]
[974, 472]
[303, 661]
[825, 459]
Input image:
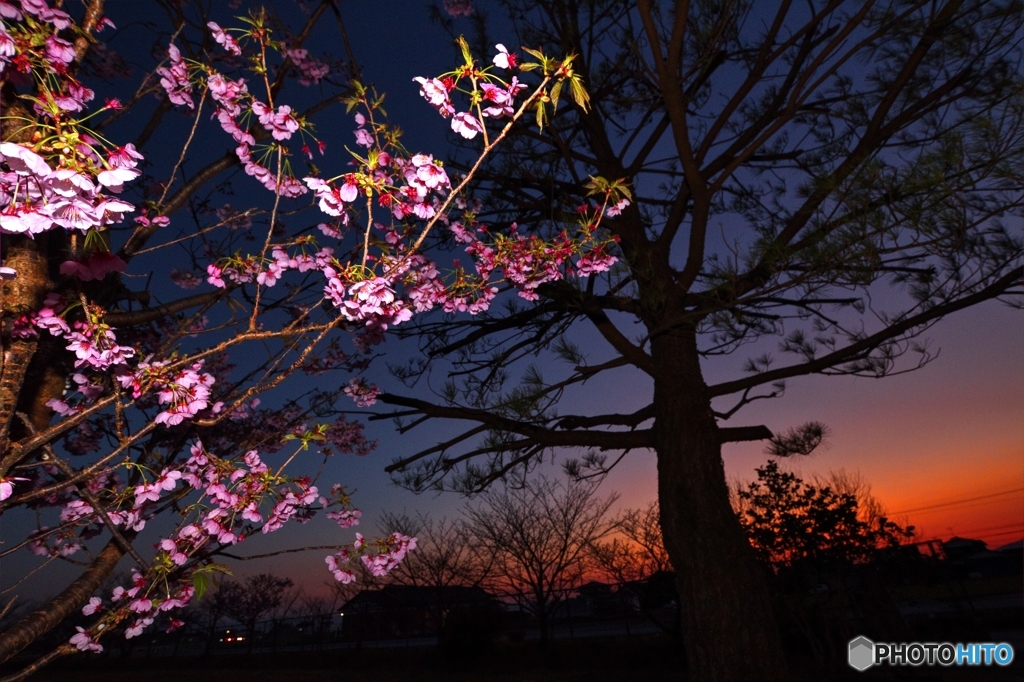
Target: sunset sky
[942, 448]
[944, 435]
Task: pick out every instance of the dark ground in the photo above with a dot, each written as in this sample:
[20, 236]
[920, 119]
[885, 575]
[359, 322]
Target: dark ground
[645, 659]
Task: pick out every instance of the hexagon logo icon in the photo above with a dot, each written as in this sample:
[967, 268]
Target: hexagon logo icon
[862, 653]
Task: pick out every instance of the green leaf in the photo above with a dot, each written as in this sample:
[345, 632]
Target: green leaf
[579, 93]
[201, 582]
[218, 568]
[556, 92]
[466, 54]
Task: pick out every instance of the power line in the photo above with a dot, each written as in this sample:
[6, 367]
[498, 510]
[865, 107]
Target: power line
[1018, 524]
[967, 507]
[956, 503]
[1019, 533]
[1017, 527]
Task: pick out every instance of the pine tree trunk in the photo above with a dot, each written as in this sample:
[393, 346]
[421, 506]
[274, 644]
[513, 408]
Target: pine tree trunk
[728, 626]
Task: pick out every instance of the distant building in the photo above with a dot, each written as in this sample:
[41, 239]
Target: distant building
[397, 611]
[973, 559]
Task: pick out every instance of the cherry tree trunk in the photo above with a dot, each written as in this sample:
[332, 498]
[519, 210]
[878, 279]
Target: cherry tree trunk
[51, 614]
[728, 625]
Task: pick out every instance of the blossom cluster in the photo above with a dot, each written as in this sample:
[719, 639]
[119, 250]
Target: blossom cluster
[236, 499]
[390, 552]
[77, 191]
[67, 177]
[311, 70]
[386, 289]
[37, 198]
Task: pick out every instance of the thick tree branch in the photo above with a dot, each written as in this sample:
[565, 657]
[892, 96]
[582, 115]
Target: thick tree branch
[996, 288]
[51, 614]
[736, 434]
[162, 311]
[581, 422]
[611, 440]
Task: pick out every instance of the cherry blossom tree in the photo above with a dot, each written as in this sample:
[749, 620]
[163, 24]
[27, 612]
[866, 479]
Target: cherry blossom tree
[133, 375]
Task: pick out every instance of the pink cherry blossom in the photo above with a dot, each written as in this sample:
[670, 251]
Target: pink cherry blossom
[215, 278]
[186, 279]
[96, 346]
[7, 486]
[281, 123]
[311, 71]
[504, 59]
[436, 94]
[615, 210]
[458, 8]
[175, 555]
[70, 183]
[142, 605]
[346, 518]
[97, 267]
[595, 261]
[466, 124]
[362, 393]
[186, 394]
[363, 137]
[94, 605]
[124, 157]
[340, 574]
[74, 98]
[227, 93]
[174, 79]
[23, 161]
[75, 213]
[114, 178]
[75, 510]
[137, 627]
[224, 39]
[9, 11]
[83, 641]
[59, 50]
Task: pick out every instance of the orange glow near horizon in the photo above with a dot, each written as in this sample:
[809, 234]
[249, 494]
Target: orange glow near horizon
[984, 501]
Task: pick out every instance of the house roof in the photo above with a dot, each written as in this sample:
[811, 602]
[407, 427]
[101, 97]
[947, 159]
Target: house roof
[958, 543]
[419, 596]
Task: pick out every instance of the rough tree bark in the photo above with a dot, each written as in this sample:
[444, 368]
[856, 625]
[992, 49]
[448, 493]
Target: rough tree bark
[53, 612]
[723, 590]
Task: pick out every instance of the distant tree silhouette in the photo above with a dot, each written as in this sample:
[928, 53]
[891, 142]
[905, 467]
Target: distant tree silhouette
[248, 602]
[204, 616]
[443, 560]
[789, 520]
[636, 558]
[540, 535]
[638, 551]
